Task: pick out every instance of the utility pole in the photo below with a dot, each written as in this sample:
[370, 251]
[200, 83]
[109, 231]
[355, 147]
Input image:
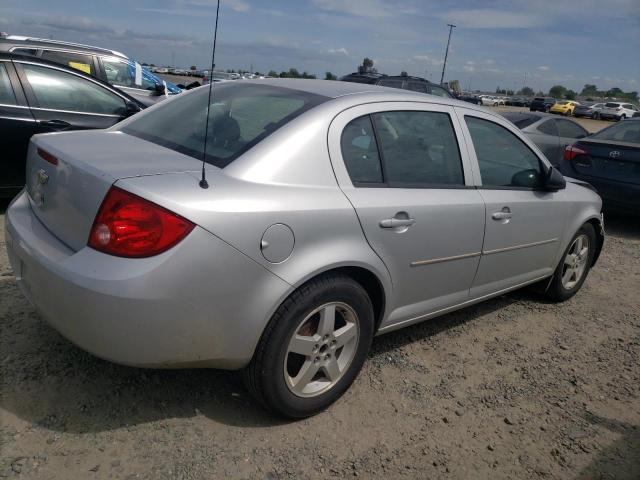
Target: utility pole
[451, 27]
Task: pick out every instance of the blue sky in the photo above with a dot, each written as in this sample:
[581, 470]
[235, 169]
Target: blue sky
[496, 42]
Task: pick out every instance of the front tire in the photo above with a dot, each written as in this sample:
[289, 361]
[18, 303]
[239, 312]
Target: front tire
[313, 348]
[574, 266]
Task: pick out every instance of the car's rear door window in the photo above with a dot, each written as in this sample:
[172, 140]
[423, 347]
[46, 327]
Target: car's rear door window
[58, 90]
[7, 96]
[241, 115]
[569, 129]
[505, 161]
[79, 61]
[548, 127]
[418, 149]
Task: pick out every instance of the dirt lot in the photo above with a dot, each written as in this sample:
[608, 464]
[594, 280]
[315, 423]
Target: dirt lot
[513, 388]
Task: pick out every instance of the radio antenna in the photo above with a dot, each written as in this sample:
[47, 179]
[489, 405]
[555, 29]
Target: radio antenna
[203, 180]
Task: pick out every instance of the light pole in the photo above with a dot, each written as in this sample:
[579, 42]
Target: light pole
[444, 65]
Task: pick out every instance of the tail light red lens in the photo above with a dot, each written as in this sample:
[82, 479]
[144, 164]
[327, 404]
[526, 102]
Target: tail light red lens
[130, 226]
[53, 160]
[571, 152]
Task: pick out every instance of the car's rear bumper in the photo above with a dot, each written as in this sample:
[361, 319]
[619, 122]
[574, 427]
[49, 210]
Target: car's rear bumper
[201, 304]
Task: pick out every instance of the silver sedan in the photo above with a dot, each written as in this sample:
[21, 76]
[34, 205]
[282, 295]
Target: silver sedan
[330, 212]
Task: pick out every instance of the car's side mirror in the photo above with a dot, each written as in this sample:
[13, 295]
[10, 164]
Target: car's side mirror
[131, 108]
[160, 89]
[554, 180]
[529, 178]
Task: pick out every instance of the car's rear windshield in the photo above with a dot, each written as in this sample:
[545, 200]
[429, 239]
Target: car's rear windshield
[612, 105]
[627, 131]
[520, 120]
[242, 114]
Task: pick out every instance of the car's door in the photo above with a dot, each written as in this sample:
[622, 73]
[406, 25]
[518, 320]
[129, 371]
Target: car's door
[408, 178]
[17, 125]
[523, 222]
[61, 100]
[545, 136]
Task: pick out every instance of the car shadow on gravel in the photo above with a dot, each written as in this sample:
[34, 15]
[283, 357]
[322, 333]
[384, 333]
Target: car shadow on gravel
[621, 460]
[622, 225]
[48, 381]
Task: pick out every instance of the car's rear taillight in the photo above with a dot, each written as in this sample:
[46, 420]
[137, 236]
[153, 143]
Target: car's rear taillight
[130, 226]
[571, 152]
[52, 159]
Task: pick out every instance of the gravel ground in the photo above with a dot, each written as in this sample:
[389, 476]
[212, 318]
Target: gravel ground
[512, 388]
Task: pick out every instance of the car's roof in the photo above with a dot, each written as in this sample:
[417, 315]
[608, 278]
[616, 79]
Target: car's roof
[25, 42]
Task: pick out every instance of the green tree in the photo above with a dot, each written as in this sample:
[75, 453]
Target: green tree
[557, 91]
[293, 73]
[589, 90]
[367, 62]
[330, 76]
[615, 92]
[570, 95]
[272, 73]
[527, 91]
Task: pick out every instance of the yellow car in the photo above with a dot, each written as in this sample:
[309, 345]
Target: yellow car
[565, 107]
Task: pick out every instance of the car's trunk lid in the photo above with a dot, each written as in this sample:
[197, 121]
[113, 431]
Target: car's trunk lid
[66, 197]
[618, 161]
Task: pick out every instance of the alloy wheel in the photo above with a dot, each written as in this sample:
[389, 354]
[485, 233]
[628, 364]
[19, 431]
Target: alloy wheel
[575, 262]
[321, 349]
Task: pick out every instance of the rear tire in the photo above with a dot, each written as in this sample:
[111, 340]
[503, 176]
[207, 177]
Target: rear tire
[297, 385]
[574, 265]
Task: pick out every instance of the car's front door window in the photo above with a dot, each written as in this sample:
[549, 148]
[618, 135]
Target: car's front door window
[125, 73]
[58, 90]
[504, 160]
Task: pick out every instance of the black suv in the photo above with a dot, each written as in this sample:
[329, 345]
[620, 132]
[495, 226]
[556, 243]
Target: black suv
[542, 104]
[109, 66]
[405, 82]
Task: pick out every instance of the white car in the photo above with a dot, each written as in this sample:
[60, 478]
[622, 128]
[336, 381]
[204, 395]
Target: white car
[491, 101]
[618, 111]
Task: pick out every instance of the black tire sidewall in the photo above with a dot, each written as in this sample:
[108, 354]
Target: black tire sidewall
[331, 289]
[557, 291]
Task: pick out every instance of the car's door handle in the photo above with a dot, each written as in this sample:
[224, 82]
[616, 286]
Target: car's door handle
[56, 124]
[504, 215]
[397, 222]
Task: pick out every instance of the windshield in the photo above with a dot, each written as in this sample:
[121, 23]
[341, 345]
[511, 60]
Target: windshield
[241, 115]
[627, 131]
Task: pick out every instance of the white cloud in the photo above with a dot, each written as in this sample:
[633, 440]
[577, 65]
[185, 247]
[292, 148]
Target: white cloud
[544, 68]
[489, 18]
[428, 59]
[357, 8]
[338, 51]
